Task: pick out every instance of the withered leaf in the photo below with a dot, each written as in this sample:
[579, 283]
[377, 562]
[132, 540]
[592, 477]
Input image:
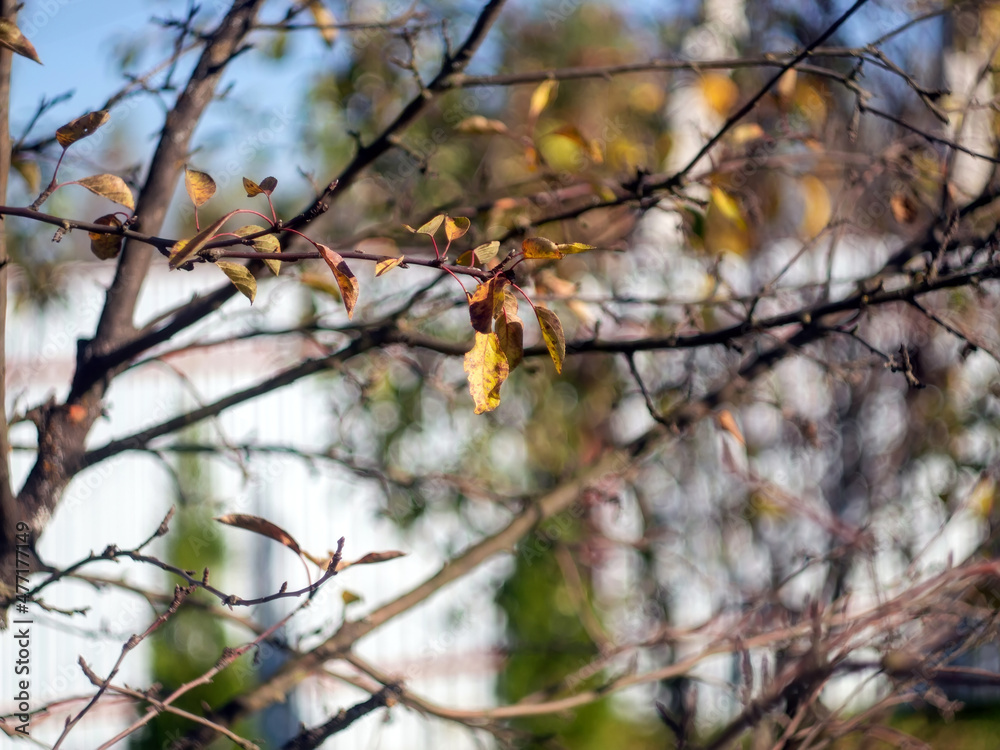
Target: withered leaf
[552, 333]
[81, 127]
[241, 278]
[346, 280]
[109, 186]
[106, 246]
[199, 185]
[487, 368]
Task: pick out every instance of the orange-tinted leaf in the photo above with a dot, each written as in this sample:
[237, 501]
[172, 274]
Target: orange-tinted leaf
[185, 250]
[482, 303]
[479, 125]
[904, 209]
[12, 38]
[486, 252]
[251, 187]
[199, 185]
[539, 247]
[728, 423]
[261, 526]
[325, 20]
[109, 186]
[541, 97]
[106, 246]
[487, 368]
[571, 248]
[430, 228]
[266, 243]
[349, 597]
[346, 280]
[268, 184]
[384, 266]
[241, 278]
[455, 228]
[81, 127]
[371, 558]
[552, 333]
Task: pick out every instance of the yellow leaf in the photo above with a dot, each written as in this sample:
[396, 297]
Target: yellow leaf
[552, 333]
[266, 243]
[30, 172]
[13, 39]
[109, 186]
[479, 125]
[384, 266]
[241, 278]
[251, 187]
[184, 250]
[371, 558]
[571, 248]
[486, 252]
[81, 127]
[106, 246]
[349, 597]
[541, 97]
[346, 280]
[725, 204]
[817, 209]
[199, 185]
[430, 228]
[487, 368]
[455, 228]
[720, 92]
[539, 247]
[325, 20]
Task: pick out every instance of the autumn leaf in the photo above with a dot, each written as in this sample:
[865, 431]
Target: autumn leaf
[552, 333]
[106, 246]
[266, 243]
[482, 303]
[262, 526]
[109, 186]
[430, 228]
[486, 252]
[81, 127]
[479, 125]
[455, 228]
[541, 97]
[349, 597]
[371, 558]
[539, 247]
[386, 265]
[251, 187]
[241, 278]
[509, 329]
[817, 208]
[30, 172]
[13, 39]
[199, 185]
[184, 250]
[268, 184]
[325, 20]
[571, 248]
[346, 280]
[487, 368]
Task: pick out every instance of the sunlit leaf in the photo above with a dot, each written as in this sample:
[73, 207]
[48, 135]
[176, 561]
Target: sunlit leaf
[552, 333]
[12, 38]
[266, 243]
[541, 97]
[430, 228]
[455, 228]
[81, 127]
[571, 248]
[539, 247]
[325, 20]
[724, 203]
[199, 185]
[106, 246]
[720, 92]
[185, 250]
[109, 186]
[241, 277]
[384, 266]
[817, 208]
[487, 368]
[486, 252]
[479, 125]
[346, 280]
[259, 525]
[727, 422]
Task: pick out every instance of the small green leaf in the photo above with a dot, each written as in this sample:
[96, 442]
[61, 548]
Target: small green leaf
[241, 277]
